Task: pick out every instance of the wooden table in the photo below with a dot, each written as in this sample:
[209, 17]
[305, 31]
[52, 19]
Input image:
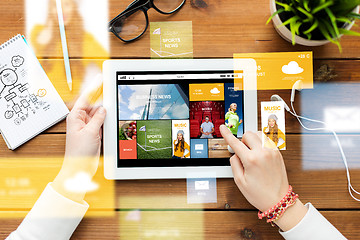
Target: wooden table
[157, 209]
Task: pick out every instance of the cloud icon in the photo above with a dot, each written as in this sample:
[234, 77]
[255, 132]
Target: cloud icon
[292, 68]
[17, 61]
[81, 183]
[215, 91]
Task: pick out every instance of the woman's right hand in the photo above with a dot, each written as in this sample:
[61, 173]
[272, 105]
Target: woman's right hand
[260, 175]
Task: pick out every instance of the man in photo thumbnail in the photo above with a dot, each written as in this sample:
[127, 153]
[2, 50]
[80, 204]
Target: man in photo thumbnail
[207, 128]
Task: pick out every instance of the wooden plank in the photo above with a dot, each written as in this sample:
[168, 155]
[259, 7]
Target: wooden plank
[225, 28]
[313, 162]
[188, 225]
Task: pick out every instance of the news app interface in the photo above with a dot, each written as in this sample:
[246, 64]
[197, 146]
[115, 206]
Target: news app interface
[173, 119]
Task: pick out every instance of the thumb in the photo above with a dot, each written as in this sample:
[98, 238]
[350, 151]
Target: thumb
[237, 169]
[97, 120]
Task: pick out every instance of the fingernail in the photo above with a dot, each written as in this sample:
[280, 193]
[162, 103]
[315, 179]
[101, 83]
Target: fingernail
[101, 110]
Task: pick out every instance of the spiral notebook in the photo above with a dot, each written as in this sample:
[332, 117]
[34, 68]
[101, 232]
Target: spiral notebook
[29, 103]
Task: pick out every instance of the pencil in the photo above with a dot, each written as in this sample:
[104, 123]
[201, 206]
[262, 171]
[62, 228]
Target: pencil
[64, 44]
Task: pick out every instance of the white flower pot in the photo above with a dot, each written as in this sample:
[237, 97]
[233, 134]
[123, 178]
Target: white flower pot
[285, 33]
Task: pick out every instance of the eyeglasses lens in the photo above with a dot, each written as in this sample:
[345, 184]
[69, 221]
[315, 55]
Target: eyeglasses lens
[168, 6]
[130, 26]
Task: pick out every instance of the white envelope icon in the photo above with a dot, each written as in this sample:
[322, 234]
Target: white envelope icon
[201, 185]
[343, 119]
[199, 146]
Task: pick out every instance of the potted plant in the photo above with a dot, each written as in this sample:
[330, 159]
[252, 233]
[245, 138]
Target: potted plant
[314, 22]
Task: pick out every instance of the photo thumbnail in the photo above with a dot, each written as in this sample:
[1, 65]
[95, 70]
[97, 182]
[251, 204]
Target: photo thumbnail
[273, 125]
[127, 140]
[153, 139]
[206, 118]
[180, 139]
[152, 102]
[234, 110]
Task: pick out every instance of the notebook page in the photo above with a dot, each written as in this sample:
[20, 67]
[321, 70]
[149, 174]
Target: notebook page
[29, 103]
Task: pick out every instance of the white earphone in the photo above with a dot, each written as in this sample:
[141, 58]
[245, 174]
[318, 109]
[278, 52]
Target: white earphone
[298, 86]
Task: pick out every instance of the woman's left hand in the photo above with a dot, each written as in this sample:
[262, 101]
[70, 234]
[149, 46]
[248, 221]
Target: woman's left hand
[83, 142]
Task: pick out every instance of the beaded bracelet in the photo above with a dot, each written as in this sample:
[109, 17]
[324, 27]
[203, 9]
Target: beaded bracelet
[278, 210]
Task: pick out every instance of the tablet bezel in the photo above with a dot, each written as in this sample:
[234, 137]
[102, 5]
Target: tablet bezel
[111, 67]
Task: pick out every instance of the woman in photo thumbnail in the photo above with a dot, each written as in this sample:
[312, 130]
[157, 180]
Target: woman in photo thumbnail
[273, 133]
[233, 119]
[181, 148]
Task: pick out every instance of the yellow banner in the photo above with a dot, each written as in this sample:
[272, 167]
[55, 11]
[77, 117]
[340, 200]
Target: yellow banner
[206, 92]
[22, 180]
[279, 70]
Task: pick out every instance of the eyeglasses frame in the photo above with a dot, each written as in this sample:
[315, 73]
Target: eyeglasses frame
[132, 8]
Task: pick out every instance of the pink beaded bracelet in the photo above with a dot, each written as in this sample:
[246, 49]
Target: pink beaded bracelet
[278, 210]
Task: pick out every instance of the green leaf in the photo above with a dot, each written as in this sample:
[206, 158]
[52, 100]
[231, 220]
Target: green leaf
[290, 20]
[353, 15]
[343, 19]
[277, 12]
[312, 27]
[333, 21]
[306, 5]
[308, 35]
[287, 7]
[292, 29]
[324, 31]
[321, 7]
[296, 26]
[327, 36]
[344, 7]
[309, 15]
[330, 29]
[349, 32]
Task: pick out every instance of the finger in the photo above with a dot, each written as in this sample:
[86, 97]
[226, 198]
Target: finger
[90, 94]
[76, 120]
[82, 103]
[251, 140]
[97, 120]
[239, 148]
[93, 110]
[237, 169]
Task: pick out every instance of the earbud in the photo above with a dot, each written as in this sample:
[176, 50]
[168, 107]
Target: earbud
[298, 85]
[276, 97]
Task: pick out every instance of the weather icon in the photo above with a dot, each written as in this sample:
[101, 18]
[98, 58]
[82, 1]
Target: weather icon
[292, 68]
[214, 91]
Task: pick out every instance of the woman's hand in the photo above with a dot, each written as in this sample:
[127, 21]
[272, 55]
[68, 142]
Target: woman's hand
[260, 175]
[83, 142]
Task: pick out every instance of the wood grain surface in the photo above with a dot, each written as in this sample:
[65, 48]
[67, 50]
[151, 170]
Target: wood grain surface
[158, 209]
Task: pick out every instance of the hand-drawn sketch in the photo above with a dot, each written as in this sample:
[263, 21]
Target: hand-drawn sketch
[20, 102]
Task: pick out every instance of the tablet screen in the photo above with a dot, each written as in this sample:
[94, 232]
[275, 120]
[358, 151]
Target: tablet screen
[172, 119]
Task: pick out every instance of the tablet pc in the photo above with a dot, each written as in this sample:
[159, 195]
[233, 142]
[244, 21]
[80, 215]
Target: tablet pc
[163, 116]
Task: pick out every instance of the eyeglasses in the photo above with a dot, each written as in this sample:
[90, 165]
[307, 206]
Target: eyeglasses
[133, 21]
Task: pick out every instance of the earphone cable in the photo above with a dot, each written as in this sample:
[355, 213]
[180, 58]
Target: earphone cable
[350, 187]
